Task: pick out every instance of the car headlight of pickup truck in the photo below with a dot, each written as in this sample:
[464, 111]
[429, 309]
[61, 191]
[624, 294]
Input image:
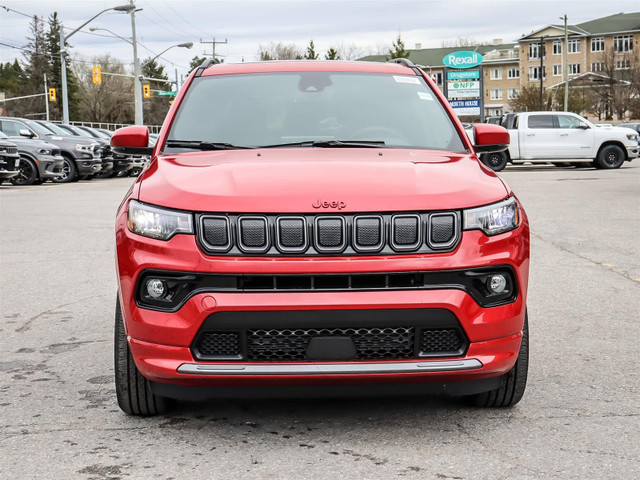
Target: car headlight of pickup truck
[493, 219]
[156, 222]
[84, 148]
[632, 136]
[44, 151]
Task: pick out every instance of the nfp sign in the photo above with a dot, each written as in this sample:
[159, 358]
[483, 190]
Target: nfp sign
[462, 59]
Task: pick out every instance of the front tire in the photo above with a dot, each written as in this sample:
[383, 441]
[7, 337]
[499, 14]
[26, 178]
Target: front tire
[69, 171]
[611, 156]
[513, 384]
[132, 389]
[28, 173]
[495, 161]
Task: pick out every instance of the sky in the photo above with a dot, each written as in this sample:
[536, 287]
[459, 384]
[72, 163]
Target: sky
[370, 24]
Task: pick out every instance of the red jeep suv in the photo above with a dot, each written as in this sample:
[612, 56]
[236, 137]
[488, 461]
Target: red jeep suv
[318, 228]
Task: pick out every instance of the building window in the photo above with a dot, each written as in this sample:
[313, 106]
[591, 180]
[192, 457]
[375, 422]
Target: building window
[623, 43]
[624, 64]
[496, 94]
[513, 93]
[574, 46]
[557, 70]
[513, 72]
[597, 66]
[437, 78]
[597, 44]
[574, 68]
[557, 47]
[534, 73]
[534, 51]
[496, 74]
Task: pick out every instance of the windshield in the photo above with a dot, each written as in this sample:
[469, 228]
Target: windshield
[267, 109]
[56, 129]
[36, 127]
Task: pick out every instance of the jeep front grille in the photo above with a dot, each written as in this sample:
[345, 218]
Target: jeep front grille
[328, 234]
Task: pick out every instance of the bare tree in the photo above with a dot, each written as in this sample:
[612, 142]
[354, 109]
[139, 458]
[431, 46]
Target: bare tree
[459, 42]
[619, 89]
[111, 100]
[279, 51]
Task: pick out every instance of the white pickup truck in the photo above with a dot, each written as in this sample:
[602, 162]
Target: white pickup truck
[563, 139]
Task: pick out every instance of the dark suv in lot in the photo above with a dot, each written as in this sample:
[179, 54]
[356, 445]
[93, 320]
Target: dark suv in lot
[9, 159]
[38, 160]
[80, 156]
[318, 227]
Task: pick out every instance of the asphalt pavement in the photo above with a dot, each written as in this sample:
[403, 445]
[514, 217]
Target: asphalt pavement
[580, 417]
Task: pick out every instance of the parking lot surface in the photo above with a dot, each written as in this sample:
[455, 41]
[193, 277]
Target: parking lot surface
[580, 417]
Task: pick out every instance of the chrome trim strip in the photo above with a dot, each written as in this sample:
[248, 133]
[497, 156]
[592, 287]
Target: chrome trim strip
[456, 231]
[215, 248]
[328, 368]
[368, 248]
[337, 249]
[305, 228]
[406, 248]
[267, 228]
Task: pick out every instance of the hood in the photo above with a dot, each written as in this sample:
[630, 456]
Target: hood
[295, 179]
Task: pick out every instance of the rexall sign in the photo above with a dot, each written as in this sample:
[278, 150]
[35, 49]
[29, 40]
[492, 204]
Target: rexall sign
[463, 59]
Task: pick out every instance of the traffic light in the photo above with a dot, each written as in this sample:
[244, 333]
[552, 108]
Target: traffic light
[97, 74]
[52, 94]
[146, 91]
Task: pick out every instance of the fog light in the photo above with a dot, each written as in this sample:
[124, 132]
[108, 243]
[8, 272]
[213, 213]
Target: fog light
[155, 288]
[497, 283]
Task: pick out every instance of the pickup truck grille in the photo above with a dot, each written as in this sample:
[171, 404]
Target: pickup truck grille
[327, 234]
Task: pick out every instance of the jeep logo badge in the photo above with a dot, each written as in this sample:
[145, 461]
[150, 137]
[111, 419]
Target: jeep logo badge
[329, 204]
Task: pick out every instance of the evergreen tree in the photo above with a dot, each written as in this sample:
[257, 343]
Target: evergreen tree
[54, 73]
[195, 62]
[11, 78]
[156, 107]
[332, 54]
[398, 50]
[311, 52]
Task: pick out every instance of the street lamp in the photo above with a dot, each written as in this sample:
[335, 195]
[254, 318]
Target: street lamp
[128, 40]
[181, 45]
[63, 53]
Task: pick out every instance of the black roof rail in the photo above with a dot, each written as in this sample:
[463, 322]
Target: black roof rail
[206, 64]
[407, 63]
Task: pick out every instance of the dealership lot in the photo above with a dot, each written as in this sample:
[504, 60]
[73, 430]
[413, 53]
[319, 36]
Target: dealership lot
[579, 419]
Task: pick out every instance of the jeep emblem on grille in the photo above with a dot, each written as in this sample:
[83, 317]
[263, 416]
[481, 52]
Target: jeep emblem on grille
[326, 204]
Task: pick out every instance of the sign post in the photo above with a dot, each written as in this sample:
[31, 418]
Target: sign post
[464, 88]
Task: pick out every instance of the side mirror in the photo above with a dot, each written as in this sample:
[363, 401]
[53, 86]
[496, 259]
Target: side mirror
[584, 126]
[132, 140]
[26, 133]
[490, 138]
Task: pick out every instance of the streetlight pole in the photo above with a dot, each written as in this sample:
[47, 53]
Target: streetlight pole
[137, 85]
[63, 54]
[565, 68]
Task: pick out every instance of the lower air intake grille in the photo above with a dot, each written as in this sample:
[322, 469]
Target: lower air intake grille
[438, 341]
[220, 344]
[291, 344]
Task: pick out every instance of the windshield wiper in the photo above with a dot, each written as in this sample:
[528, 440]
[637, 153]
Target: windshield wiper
[330, 144]
[198, 145]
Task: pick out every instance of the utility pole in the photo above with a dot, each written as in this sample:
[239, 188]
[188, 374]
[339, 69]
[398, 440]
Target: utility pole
[565, 67]
[541, 53]
[63, 78]
[137, 85]
[213, 46]
[46, 96]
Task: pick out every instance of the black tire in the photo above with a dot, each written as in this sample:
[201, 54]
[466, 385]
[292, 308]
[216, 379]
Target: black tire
[495, 161]
[85, 177]
[513, 384]
[610, 156]
[28, 173]
[134, 172]
[69, 171]
[132, 389]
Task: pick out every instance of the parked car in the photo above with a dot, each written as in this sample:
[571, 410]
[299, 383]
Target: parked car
[9, 160]
[39, 161]
[322, 226]
[123, 165]
[80, 155]
[104, 150]
[633, 126]
[493, 120]
[564, 139]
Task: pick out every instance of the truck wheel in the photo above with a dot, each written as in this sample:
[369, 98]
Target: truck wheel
[28, 173]
[495, 161]
[132, 389]
[69, 171]
[610, 156]
[513, 383]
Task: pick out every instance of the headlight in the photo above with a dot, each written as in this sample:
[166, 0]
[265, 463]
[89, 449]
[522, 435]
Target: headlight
[155, 222]
[493, 219]
[84, 148]
[44, 151]
[632, 136]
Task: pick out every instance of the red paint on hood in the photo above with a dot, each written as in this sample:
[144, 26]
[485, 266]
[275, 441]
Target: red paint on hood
[291, 180]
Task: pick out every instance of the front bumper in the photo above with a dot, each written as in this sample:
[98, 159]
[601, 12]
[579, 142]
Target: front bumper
[9, 166]
[50, 166]
[632, 151]
[161, 341]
